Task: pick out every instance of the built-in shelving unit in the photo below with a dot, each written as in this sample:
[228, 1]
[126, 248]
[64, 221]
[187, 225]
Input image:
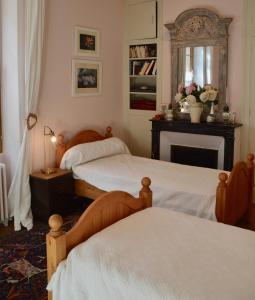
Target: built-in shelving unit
[142, 92]
[143, 76]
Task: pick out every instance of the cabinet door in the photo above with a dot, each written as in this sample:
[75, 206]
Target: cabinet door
[142, 20]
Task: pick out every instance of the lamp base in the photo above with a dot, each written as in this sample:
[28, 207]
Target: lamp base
[48, 171]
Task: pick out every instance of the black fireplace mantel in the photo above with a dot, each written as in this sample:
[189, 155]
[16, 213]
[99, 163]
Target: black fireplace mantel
[227, 131]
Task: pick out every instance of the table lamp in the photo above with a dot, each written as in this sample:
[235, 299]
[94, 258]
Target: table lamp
[48, 132]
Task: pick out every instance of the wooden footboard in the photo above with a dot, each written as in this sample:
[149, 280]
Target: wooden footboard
[104, 211]
[234, 192]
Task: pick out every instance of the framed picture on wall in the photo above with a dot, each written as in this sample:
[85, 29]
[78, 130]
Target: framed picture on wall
[86, 78]
[87, 42]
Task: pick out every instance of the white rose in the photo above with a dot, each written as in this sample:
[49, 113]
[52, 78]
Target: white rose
[204, 96]
[212, 95]
[178, 97]
[191, 99]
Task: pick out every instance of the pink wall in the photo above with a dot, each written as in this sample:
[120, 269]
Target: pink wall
[58, 109]
[225, 8]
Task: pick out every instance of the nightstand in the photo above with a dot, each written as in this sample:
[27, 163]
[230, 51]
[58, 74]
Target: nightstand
[51, 194]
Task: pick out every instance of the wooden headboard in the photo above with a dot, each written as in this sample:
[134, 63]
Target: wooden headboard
[84, 136]
[104, 211]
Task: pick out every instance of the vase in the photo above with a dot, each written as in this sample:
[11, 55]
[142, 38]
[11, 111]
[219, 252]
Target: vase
[211, 117]
[169, 115]
[195, 111]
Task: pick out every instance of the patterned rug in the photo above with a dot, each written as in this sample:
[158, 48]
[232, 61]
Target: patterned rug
[23, 274]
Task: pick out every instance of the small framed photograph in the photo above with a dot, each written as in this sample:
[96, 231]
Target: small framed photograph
[87, 42]
[86, 78]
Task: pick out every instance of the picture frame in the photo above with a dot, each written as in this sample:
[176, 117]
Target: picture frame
[87, 42]
[86, 78]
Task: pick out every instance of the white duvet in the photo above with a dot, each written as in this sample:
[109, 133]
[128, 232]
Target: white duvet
[160, 254]
[187, 189]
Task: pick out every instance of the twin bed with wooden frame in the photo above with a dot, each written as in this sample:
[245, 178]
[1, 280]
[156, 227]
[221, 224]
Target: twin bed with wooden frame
[233, 193]
[120, 248]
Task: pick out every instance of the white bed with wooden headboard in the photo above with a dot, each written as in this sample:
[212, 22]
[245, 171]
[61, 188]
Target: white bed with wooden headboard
[150, 253]
[102, 164]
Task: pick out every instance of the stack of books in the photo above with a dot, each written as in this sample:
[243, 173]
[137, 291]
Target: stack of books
[145, 68]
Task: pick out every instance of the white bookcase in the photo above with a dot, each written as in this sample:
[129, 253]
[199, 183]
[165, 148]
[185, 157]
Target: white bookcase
[142, 92]
[143, 76]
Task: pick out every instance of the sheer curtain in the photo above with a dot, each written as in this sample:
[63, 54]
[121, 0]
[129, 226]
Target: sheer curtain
[19, 194]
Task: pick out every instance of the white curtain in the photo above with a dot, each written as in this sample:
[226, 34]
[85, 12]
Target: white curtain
[19, 194]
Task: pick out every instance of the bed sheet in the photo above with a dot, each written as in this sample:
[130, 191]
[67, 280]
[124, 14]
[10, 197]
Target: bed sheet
[178, 187]
[160, 254]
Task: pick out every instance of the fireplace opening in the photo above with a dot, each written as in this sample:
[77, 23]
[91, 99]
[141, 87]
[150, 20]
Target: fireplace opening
[207, 158]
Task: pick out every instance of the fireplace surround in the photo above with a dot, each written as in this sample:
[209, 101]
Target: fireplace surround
[220, 137]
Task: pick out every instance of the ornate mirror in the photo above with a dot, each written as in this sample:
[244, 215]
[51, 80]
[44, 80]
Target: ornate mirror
[199, 50]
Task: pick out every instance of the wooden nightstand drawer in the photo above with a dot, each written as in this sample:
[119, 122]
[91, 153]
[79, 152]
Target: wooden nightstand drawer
[51, 193]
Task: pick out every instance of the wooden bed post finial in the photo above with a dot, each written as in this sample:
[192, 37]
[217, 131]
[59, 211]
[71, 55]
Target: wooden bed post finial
[55, 246]
[221, 197]
[146, 192]
[108, 132]
[55, 223]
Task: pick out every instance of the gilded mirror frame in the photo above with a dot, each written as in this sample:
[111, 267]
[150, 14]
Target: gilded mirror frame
[200, 27]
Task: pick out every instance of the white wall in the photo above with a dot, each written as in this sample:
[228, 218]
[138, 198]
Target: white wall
[57, 108]
[10, 88]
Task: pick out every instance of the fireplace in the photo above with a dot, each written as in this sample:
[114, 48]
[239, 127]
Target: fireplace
[214, 145]
[192, 149]
[207, 158]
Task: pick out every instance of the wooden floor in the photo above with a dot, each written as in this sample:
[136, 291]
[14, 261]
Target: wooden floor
[250, 224]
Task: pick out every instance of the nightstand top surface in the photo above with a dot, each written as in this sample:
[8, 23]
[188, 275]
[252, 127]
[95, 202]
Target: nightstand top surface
[59, 172]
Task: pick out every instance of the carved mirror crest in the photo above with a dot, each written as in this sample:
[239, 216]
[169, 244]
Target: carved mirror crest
[199, 50]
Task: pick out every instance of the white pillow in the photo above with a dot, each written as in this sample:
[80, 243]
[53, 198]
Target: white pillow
[86, 152]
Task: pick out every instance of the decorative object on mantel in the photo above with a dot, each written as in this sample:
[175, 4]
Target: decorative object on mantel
[169, 113]
[211, 117]
[195, 111]
[225, 114]
[158, 117]
[232, 117]
[163, 109]
[195, 95]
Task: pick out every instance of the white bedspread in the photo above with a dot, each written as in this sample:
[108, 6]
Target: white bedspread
[160, 254]
[178, 187]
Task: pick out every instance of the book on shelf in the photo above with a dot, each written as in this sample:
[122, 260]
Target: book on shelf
[137, 51]
[149, 67]
[132, 52]
[144, 68]
[140, 51]
[154, 71]
[135, 67]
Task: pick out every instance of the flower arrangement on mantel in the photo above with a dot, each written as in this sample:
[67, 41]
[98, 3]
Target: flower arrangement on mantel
[194, 93]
